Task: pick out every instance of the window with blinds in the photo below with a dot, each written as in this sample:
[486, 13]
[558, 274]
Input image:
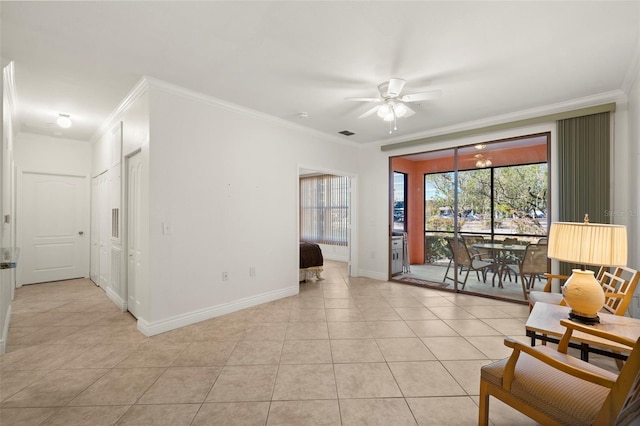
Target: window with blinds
[324, 209]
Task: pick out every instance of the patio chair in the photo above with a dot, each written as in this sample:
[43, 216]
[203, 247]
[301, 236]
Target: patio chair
[532, 265]
[481, 253]
[461, 256]
[510, 258]
[554, 388]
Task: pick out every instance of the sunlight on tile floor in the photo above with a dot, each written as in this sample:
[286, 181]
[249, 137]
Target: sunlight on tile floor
[344, 351]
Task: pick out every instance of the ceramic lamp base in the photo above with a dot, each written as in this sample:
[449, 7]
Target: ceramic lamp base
[584, 294]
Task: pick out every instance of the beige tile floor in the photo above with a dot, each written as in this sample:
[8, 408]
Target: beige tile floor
[348, 351]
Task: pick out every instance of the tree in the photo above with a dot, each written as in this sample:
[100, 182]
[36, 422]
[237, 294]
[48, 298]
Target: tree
[519, 192]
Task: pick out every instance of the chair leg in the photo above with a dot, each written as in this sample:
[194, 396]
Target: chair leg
[483, 416]
[525, 285]
[447, 273]
[465, 278]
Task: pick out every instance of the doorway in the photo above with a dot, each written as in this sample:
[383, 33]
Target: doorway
[326, 213]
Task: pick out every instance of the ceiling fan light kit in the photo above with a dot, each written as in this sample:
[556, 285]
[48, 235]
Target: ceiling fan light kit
[64, 121]
[392, 106]
[482, 161]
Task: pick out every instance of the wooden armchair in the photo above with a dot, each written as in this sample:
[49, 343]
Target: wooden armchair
[555, 388]
[618, 285]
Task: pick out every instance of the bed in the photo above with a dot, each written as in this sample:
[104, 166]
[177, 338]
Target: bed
[311, 261]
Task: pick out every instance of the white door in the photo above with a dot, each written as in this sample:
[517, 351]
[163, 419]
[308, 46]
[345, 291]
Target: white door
[96, 189]
[104, 231]
[134, 164]
[53, 228]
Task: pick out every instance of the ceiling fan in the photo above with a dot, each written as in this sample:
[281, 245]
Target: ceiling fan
[392, 105]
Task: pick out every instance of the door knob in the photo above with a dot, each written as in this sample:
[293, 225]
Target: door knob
[81, 233]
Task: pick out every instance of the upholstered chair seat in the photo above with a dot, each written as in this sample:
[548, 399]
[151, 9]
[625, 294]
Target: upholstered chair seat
[541, 296]
[540, 386]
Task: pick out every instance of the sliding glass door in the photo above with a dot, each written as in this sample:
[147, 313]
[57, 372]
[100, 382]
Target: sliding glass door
[489, 193]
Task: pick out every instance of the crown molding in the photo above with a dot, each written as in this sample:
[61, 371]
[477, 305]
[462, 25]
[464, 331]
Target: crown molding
[229, 106]
[614, 96]
[134, 94]
[633, 73]
[9, 86]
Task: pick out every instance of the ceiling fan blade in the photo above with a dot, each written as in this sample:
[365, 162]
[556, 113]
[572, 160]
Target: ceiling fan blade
[424, 96]
[409, 112]
[363, 99]
[395, 87]
[369, 112]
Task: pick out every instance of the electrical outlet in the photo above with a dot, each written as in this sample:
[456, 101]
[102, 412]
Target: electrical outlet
[252, 271]
[225, 276]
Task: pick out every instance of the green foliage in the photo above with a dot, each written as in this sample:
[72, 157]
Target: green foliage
[441, 223]
[528, 226]
[520, 196]
[436, 248]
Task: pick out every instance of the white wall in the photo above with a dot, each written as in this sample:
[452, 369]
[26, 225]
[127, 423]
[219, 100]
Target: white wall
[7, 198]
[333, 252]
[632, 193]
[226, 181]
[38, 153]
[630, 214]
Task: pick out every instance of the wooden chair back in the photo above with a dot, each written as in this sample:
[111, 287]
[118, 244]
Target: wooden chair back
[619, 286]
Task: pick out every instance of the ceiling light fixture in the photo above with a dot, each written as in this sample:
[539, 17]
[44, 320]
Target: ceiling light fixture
[391, 111]
[481, 161]
[64, 121]
[481, 146]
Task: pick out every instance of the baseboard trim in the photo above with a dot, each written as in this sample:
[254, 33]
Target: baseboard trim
[152, 328]
[5, 331]
[373, 275]
[115, 298]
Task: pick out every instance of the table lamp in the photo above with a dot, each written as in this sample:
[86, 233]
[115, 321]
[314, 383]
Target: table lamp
[586, 244]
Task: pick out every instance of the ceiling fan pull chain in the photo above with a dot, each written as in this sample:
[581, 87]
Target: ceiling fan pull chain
[395, 119]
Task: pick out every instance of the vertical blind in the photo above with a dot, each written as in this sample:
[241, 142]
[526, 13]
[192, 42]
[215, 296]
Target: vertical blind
[324, 209]
[584, 170]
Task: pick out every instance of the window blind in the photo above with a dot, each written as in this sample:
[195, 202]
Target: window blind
[584, 170]
[324, 209]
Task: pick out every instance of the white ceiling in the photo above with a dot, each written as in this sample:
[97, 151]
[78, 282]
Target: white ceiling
[283, 58]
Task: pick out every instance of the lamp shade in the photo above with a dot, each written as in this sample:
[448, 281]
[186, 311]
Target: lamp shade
[588, 243]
